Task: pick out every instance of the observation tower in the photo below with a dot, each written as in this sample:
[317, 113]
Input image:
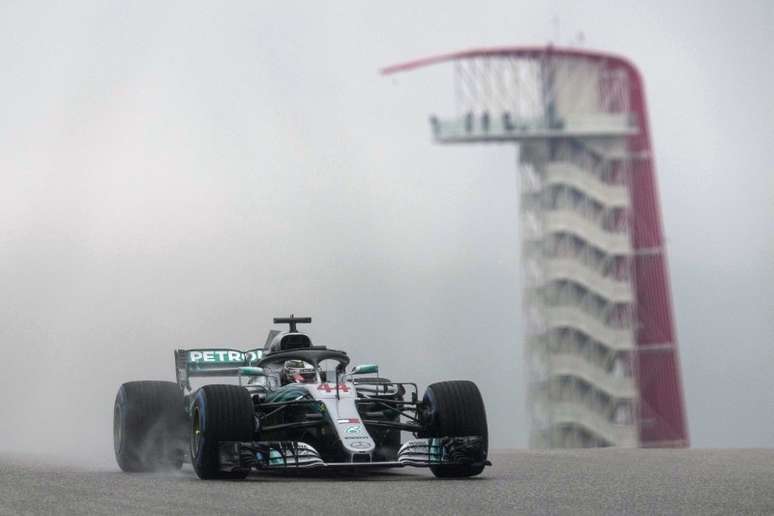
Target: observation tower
[600, 341]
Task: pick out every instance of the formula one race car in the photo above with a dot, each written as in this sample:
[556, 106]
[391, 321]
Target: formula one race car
[295, 406]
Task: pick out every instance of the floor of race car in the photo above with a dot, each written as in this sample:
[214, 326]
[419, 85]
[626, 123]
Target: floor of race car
[602, 481]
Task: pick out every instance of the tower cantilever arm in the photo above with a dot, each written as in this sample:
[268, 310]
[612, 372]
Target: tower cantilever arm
[514, 51]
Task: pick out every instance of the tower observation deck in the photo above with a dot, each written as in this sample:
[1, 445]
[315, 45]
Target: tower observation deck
[600, 341]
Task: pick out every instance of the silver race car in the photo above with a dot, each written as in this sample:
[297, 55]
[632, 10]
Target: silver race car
[295, 406]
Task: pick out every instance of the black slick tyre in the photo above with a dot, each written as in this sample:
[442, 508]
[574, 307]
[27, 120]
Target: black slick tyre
[456, 409]
[149, 426]
[219, 413]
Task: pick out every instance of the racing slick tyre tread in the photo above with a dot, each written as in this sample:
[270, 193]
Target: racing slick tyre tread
[456, 409]
[219, 413]
[149, 426]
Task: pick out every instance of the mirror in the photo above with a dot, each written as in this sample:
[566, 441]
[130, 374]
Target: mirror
[251, 371]
[365, 369]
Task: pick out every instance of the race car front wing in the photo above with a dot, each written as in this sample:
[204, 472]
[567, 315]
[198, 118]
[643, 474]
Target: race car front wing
[288, 455]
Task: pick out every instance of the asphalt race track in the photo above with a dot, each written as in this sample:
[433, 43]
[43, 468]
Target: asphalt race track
[532, 482]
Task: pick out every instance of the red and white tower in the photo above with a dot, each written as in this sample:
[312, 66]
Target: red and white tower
[600, 343]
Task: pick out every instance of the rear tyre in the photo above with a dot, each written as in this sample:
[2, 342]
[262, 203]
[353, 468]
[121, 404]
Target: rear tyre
[456, 409]
[219, 413]
[149, 426]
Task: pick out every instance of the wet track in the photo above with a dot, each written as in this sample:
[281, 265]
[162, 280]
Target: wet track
[532, 482]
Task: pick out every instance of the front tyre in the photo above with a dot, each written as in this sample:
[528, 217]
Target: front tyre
[219, 413]
[149, 426]
[456, 409]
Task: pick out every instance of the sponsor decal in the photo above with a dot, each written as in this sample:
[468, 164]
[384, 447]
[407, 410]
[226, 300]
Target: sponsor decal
[356, 437]
[351, 420]
[331, 387]
[353, 429]
[223, 356]
[360, 444]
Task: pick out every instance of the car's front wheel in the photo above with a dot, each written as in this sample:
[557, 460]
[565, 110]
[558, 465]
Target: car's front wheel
[219, 413]
[456, 409]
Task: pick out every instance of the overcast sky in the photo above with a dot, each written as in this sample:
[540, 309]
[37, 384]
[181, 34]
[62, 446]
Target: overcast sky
[175, 175]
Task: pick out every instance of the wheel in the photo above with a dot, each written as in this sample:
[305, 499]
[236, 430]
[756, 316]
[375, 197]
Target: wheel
[456, 409]
[219, 413]
[149, 426]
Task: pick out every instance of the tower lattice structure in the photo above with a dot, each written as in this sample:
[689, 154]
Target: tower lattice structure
[600, 341]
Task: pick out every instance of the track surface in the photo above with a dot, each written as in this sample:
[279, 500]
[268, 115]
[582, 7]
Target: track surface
[533, 482]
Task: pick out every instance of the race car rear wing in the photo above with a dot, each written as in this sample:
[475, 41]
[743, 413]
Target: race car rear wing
[212, 362]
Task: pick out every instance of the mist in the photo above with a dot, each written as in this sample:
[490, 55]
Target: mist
[174, 177]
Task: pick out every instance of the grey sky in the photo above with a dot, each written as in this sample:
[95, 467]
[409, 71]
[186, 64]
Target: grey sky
[175, 176]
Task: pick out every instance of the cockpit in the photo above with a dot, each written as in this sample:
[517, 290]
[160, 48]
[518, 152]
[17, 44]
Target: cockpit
[298, 371]
[289, 358]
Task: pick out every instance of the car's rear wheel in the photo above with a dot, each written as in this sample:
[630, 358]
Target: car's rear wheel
[219, 413]
[149, 426]
[456, 409]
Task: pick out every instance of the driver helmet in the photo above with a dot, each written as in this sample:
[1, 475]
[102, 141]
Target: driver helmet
[297, 371]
